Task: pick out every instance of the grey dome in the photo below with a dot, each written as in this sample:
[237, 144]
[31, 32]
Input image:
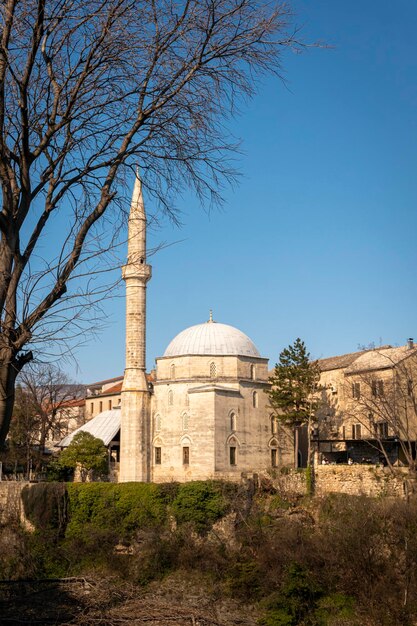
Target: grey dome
[211, 338]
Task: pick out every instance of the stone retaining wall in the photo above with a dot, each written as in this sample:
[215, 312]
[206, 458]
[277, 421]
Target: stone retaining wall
[11, 507]
[367, 480]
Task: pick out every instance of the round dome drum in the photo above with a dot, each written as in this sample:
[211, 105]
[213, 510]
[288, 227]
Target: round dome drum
[211, 338]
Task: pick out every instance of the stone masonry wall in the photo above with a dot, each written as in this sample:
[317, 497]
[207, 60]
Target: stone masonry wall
[11, 507]
[368, 480]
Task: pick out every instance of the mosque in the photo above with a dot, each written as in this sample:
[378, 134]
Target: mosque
[204, 412]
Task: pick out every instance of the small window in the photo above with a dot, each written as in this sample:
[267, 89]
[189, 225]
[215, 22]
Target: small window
[252, 372]
[233, 422]
[172, 371]
[185, 421]
[356, 431]
[356, 391]
[255, 399]
[377, 388]
[101, 406]
[158, 423]
[382, 430]
[187, 399]
[158, 456]
[110, 405]
[170, 397]
[213, 370]
[274, 425]
[232, 455]
[186, 455]
[274, 457]
[92, 408]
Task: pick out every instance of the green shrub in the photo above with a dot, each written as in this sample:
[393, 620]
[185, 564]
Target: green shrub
[200, 503]
[126, 508]
[296, 601]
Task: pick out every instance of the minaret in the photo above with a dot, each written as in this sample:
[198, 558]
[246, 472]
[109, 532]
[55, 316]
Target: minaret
[135, 409]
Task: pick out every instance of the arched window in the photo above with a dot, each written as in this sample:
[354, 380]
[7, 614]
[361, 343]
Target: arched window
[255, 399]
[233, 422]
[232, 451]
[252, 372]
[187, 399]
[185, 421]
[158, 423]
[213, 370]
[170, 397]
[172, 369]
[273, 445]
[274, 424]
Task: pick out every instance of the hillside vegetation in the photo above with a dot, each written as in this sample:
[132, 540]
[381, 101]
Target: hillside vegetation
[337, 561]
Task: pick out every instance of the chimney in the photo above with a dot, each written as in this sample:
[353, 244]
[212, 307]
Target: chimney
[410, 343]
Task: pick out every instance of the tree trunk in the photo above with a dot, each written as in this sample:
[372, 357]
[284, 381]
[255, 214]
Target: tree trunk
[10, 366]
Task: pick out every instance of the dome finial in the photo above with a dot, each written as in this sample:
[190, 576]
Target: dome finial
[211, 315]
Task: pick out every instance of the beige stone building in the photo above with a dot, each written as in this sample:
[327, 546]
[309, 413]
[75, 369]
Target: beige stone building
[202, 413]
[368, 408]
[209, 413]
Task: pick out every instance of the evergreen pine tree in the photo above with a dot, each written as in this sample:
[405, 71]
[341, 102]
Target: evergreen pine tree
[293, 383]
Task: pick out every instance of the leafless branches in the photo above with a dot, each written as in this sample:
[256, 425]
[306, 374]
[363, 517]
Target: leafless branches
[88, 89]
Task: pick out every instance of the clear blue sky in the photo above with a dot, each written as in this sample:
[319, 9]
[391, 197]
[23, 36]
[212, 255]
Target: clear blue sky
[318, 241]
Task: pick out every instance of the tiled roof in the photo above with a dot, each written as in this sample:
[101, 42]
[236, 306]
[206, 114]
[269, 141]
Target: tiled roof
[71, 403]
[338, 362]
[380, 358]
[115, 389]
[100, 383]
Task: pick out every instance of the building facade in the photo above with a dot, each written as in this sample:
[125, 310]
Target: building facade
[368, 406]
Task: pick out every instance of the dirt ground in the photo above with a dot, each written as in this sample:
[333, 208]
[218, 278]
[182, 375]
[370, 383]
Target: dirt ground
[178, 600]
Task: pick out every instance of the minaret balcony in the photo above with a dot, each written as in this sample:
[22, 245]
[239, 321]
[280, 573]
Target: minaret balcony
[140, 271]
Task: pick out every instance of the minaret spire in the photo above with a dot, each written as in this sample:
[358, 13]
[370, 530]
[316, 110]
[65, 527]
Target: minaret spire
[135, 418]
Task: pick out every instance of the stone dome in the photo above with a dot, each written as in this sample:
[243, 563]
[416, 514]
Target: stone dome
[211, 338]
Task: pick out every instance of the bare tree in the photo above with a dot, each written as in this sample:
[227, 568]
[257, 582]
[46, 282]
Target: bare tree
[89, 88]
[42, 411]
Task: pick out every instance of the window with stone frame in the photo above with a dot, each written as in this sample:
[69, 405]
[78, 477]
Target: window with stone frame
[381, 430]
[377, 387]
[356, 431]
[356, 391]
[101, 405]
[233, 422]
[185, 455]
[170, 397]
[274, 425]
[255, 399]
[185, 421]
[110, 403]
[158, 455]
[158, 422]
[92, 408]
[172, 371]
[232, 455]
[274, 457]
[253, 372]
[213, 370]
